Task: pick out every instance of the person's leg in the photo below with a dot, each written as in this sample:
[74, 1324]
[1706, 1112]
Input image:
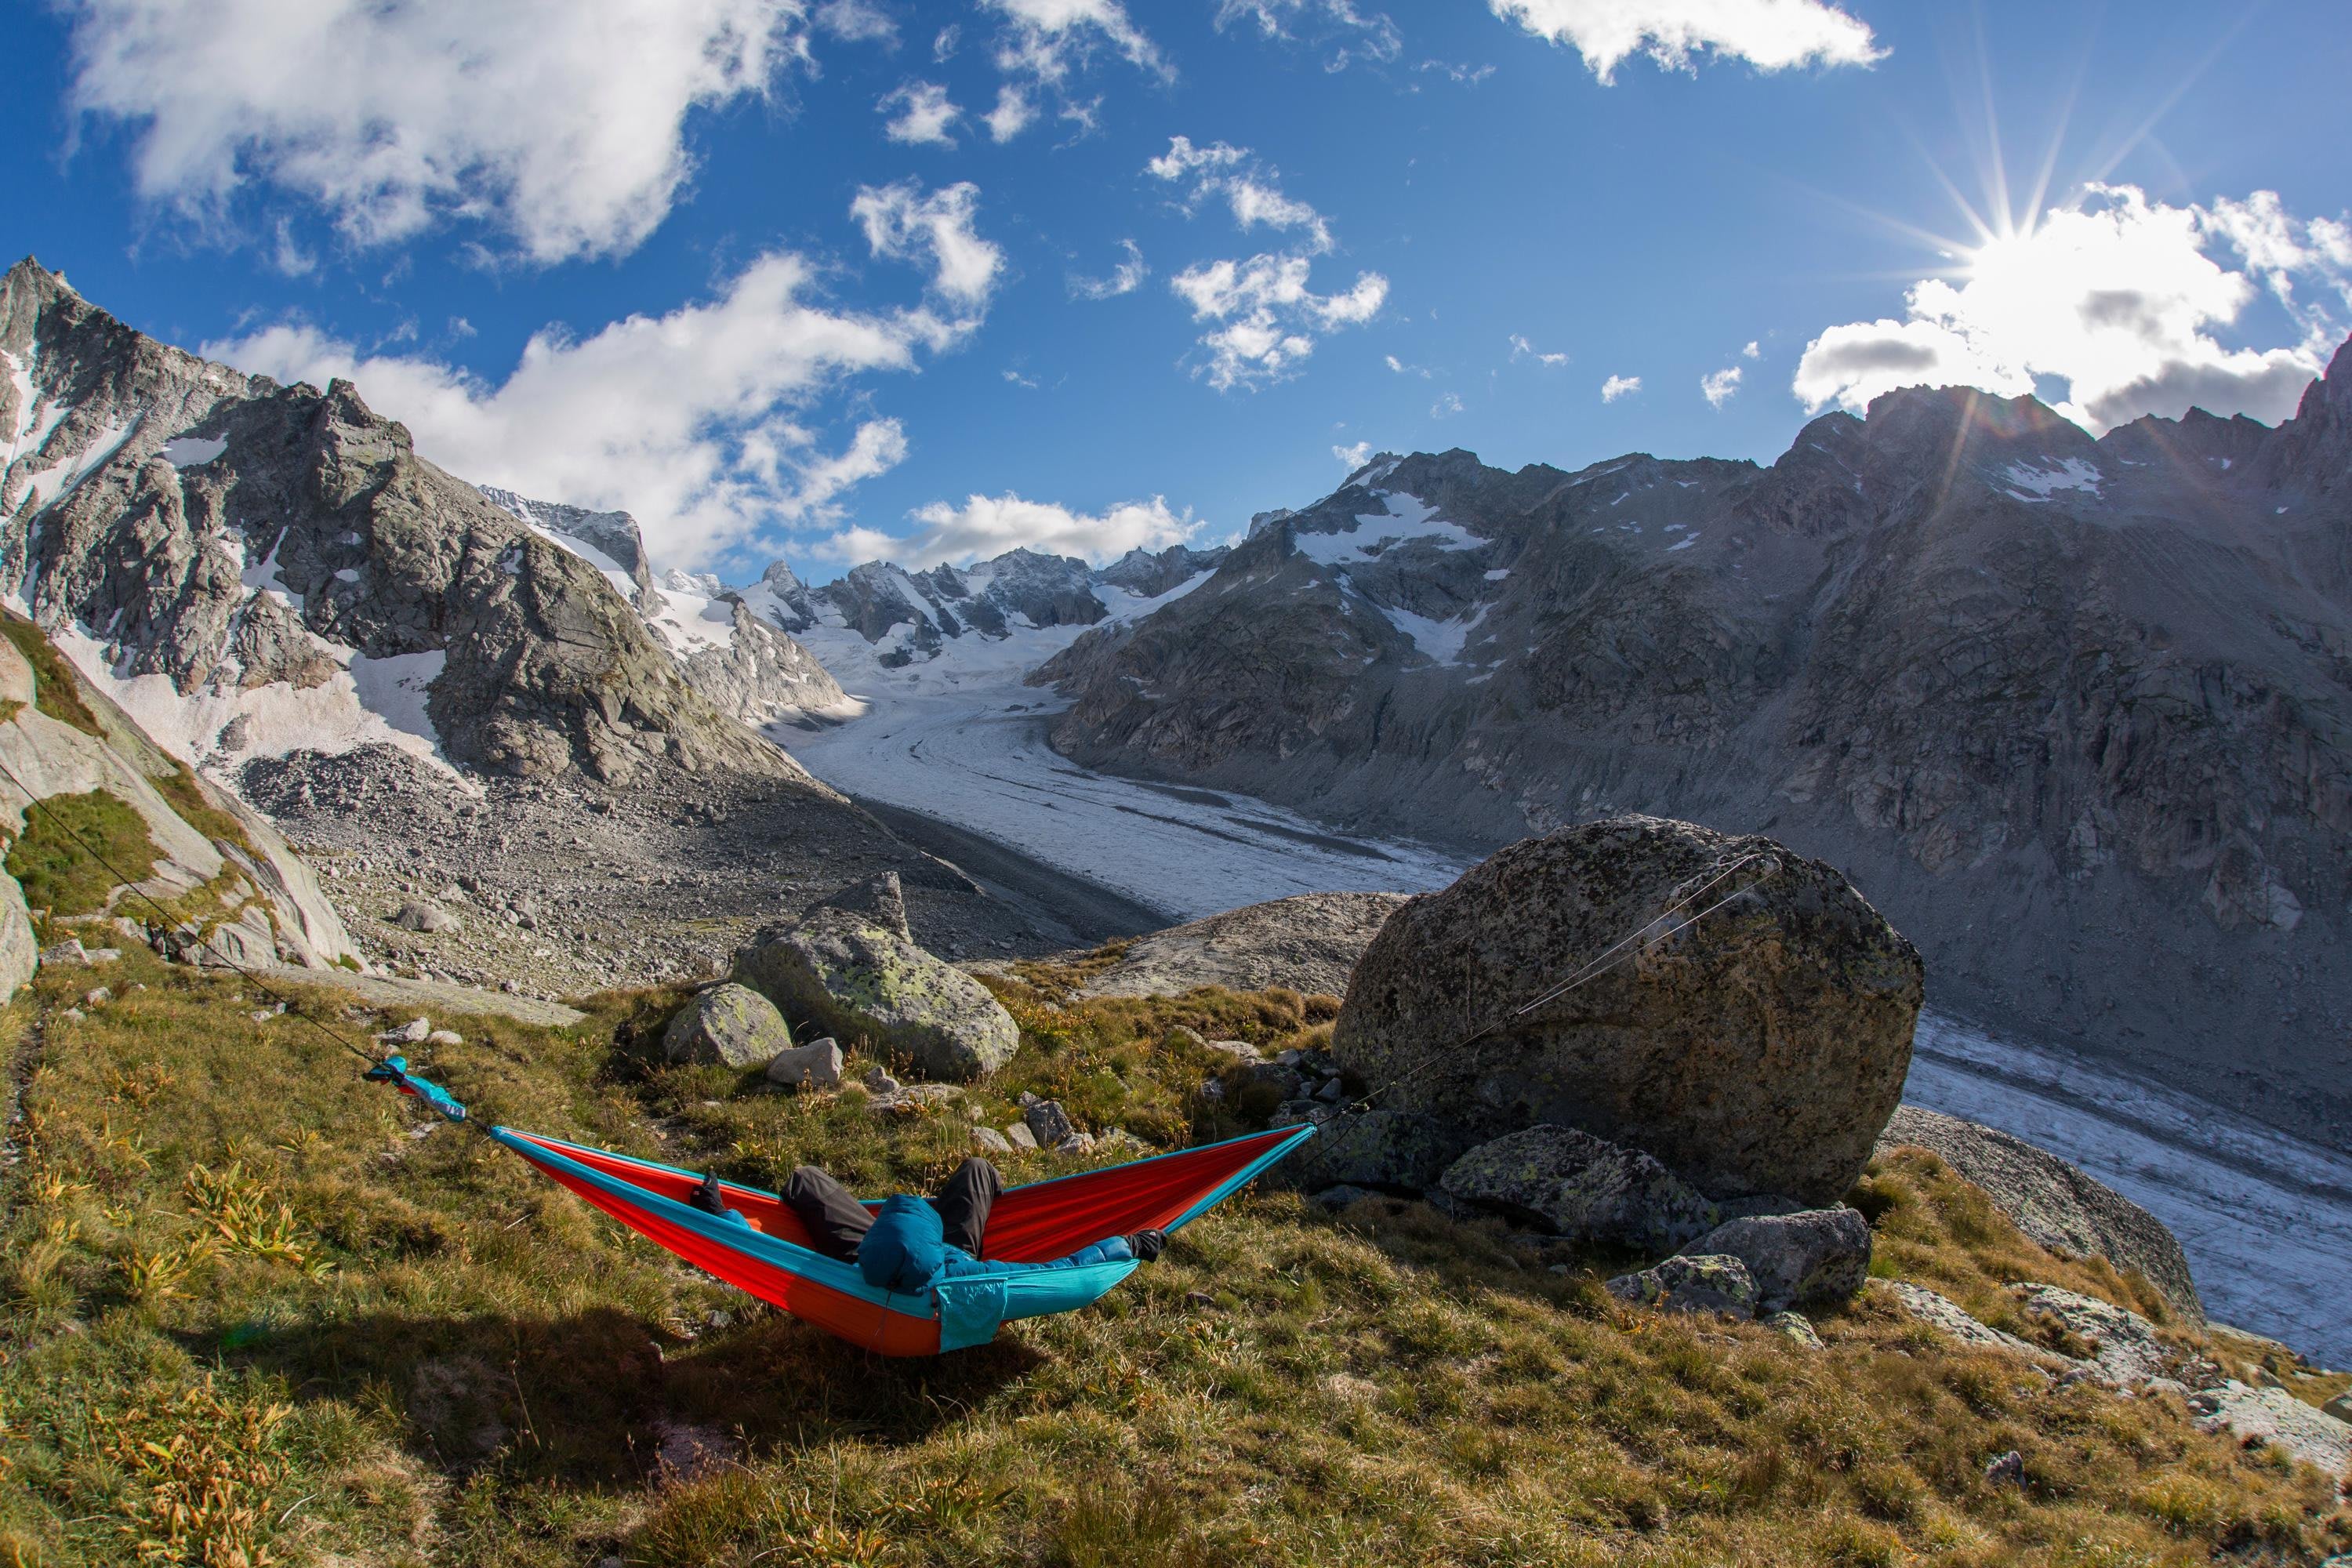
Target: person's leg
[964, 1202]
[837, 1222]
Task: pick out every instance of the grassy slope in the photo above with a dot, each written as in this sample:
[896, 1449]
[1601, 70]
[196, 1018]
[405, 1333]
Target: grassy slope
[247, 1311]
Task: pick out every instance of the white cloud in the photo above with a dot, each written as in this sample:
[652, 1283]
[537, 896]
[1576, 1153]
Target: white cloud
[943, 47]
[1348, 33]
[858, 21]
[1269, 318]
[1750, 352]
[2115, 298]
[561, 124]
[1522, 349]
[691, 420]
[1012, 115]
[990, 525]
[1124, 279]
[1247, 186]
[898, 219]
[1448, 404]
[1017, 379]
[1355, 456]
[1047, 38]
[1618, 387]
[923, 114]
[1771, 35]
[1720, 388]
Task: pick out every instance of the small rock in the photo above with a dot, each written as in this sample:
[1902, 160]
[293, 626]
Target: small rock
[1076, 1143]
[445, 1038]
[1021, 1138]
[2340, 1407]
[423, 915]
[1212, 1089]
[262, 1014]
[1182, 1035]
[1050, 1123]
[989, 1140]
[74, 1013]
[1241, 1051]
[1691, 1283]
[814, 1065]
[880, 1082]
[416, 1032]
[1198, 1298]
[94, 998]
[68, 952]
[1795, 1326]
[1814, 1258]
[2006, 1469]
[97, 955]
[1332, 1092]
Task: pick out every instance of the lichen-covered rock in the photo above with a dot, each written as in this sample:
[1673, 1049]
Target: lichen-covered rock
[2126, 1348]
[1794, 1327]
[730, 1025]
[1759, 1049]
[857, 979]
[1580, 1186]
[1948, 1317]
[1307, 943]
[1815, 1259]
[2053, 1202]
[1690, 1284]
[1397, 1151]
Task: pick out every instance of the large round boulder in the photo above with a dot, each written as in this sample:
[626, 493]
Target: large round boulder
[1759, 1047]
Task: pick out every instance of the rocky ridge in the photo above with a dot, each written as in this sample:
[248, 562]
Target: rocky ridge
[2078, 712]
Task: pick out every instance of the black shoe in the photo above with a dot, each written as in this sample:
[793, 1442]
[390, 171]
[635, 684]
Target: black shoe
[1147, 1244]
[707, 1197]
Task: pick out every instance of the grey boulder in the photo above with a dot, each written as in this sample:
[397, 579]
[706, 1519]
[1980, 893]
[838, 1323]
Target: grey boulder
[1396, 1151]
[816, 1065]
[1758, 1050]
[854, 974]
[2053, 1202]
[1690, 1284]
[1049, 1123]
[424, 915]
[1580, 1186]
[1816, 1259]
[730, 1025]
[2277, 1418]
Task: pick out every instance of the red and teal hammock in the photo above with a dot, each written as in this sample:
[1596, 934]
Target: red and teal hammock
[770, 1256]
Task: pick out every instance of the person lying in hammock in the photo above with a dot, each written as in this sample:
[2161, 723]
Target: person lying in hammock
[913, 1242]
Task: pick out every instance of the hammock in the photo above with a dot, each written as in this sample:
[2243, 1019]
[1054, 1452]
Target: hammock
[768, 1254]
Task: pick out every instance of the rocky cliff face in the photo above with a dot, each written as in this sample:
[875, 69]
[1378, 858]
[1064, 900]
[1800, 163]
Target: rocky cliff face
[910, 616]
[281, 556]
[2077, 713]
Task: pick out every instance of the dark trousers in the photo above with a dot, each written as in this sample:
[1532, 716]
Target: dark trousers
[837, 1222]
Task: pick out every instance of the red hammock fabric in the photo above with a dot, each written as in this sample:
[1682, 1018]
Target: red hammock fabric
[1031, 1224]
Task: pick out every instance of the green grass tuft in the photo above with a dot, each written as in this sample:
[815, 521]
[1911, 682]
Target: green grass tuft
[72, 847]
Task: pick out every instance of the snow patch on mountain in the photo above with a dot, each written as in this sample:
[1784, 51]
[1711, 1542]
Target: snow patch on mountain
[1407, 519]
[2038, 483]
[193, 451]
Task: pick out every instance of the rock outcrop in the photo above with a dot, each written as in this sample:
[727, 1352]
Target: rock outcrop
[1814, 1258]
[1307, 943]
[2053, 1202]
[1690, 1283]
[2074, 711]
[1583, 1188]
[1759, 1050]
[850, 970]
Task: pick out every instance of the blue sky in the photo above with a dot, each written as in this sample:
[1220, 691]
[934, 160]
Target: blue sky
[769, 274]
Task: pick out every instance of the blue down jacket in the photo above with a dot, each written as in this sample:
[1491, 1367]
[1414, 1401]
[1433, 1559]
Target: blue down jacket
[906, 1251]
